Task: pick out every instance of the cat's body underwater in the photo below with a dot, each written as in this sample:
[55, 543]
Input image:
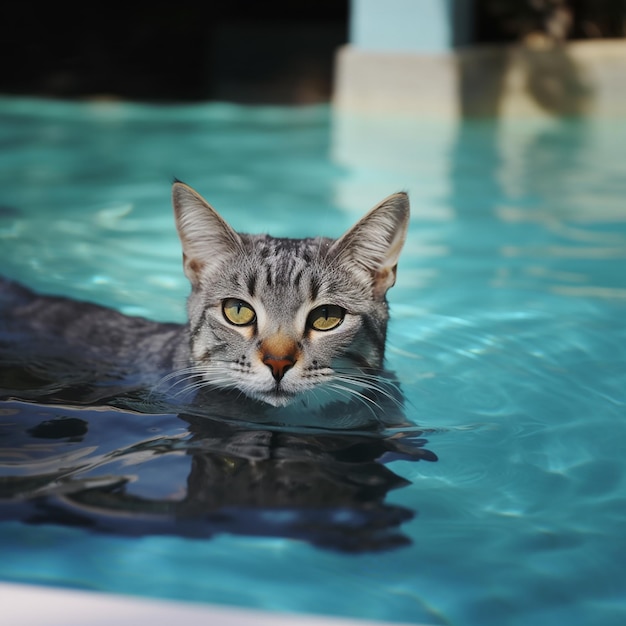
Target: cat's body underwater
[275, 326]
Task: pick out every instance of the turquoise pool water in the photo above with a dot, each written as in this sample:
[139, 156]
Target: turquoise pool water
[508, 335]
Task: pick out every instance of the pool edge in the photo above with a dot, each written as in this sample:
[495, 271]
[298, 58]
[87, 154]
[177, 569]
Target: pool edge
[32, 605]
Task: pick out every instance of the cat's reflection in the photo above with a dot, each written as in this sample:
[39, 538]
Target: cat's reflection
[328, 489]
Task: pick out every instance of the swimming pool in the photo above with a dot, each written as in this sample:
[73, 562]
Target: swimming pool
[507, 334]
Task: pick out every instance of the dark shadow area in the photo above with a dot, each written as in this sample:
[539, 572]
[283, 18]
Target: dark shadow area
[503, 21]
[242, 50]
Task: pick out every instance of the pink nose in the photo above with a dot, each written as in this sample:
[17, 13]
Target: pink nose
[278, 364]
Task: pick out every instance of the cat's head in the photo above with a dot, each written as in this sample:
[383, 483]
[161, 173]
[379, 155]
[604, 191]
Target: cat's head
[280, 319]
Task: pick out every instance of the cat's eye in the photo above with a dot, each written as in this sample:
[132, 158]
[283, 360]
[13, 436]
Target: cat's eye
[238, 312]
[325, 317]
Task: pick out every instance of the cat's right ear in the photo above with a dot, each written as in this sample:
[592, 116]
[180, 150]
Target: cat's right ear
[206, 238]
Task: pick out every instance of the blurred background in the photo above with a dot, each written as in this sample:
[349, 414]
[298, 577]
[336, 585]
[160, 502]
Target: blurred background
[286, 53]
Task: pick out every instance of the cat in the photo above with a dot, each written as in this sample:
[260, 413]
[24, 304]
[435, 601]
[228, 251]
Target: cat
[276, 327]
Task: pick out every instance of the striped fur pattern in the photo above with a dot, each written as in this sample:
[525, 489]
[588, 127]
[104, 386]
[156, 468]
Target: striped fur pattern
[283, 320]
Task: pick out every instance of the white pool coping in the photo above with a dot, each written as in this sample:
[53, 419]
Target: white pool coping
[30, 605]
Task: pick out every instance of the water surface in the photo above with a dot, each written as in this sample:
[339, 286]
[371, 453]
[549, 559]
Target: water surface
[507, 335]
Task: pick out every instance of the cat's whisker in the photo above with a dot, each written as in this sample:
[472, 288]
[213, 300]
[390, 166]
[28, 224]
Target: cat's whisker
[195, 377]
[366, 400]
[185, 386]
[373, 382]
[198, 384]
[179, 381]
[183, 370]
[381, 391]
[356, 395]
[359, 381]
[366, 375]
[174, 379]
[335, 390]
[330, 392]
[178, 377]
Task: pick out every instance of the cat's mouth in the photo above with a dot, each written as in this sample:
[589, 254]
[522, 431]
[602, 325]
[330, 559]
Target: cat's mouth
[276, 397]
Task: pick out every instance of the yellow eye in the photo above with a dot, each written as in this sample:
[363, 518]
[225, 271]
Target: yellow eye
[238, 312]
[325, 317]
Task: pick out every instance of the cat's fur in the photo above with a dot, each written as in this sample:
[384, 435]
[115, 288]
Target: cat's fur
[278, 358]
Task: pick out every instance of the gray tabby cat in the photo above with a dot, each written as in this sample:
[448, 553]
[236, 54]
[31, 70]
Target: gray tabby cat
[296, 323]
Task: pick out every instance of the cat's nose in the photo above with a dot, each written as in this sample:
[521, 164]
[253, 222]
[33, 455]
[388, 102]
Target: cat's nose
[278, 364]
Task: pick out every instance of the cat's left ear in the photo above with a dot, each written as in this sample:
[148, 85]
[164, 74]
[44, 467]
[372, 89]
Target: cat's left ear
[372, 246]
